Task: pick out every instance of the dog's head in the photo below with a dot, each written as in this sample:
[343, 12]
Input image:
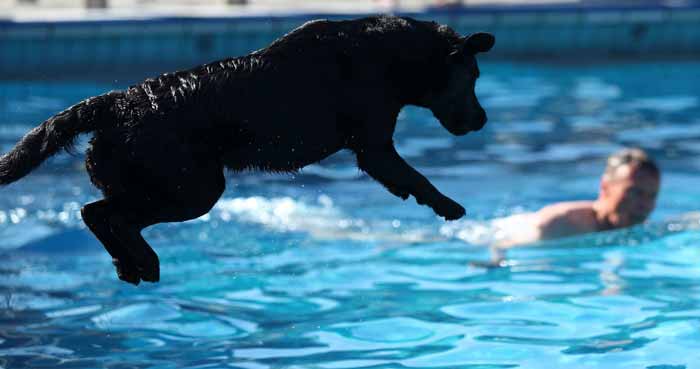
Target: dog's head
[454, 103]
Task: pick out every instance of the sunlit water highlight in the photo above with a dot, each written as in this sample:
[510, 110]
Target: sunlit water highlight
[325, 269]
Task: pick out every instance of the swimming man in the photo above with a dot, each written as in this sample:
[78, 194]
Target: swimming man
[628, 190]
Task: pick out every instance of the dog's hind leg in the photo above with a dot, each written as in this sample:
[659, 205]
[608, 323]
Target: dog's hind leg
[118, 220]
[134, 259]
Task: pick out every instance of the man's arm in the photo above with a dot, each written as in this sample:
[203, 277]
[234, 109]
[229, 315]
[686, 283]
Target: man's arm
[515, 230]
[524, 229]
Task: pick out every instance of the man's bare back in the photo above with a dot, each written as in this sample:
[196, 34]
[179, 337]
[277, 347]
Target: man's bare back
[554, 221]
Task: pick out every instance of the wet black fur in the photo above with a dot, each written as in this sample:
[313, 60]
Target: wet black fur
[159, 148]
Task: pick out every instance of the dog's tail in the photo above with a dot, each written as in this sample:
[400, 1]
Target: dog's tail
[56, 133]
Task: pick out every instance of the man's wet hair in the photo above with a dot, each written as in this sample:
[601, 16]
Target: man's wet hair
[635, 157]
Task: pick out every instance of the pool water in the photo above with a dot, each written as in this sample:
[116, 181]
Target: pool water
[325, 269]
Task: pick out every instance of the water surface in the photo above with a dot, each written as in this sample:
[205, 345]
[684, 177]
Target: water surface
[325, 269]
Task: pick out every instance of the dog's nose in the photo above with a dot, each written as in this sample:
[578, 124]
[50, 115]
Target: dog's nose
[482, 119]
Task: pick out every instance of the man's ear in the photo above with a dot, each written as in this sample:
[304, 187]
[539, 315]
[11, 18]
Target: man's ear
[479, 42]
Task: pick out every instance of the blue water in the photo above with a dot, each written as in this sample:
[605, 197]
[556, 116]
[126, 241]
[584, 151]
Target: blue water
[325, 269]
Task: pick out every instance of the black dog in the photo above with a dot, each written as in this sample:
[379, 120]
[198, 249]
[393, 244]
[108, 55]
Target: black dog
[160, 147]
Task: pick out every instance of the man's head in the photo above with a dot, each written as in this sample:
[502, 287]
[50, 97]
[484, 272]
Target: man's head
[628, 188]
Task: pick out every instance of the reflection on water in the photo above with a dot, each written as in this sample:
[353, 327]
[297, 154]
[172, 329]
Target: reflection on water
[324, 269]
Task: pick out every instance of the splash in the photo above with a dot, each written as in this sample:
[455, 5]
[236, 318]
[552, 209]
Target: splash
[322, 220]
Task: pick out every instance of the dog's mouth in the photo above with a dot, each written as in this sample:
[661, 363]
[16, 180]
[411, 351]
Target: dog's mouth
[464, 128]
[458, 131]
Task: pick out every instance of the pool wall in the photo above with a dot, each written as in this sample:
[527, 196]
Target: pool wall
[63, 49]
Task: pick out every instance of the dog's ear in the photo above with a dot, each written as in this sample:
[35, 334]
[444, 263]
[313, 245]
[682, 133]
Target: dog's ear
[479, 42]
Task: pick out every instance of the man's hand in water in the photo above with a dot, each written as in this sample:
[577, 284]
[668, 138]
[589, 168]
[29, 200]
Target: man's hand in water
[498, 260]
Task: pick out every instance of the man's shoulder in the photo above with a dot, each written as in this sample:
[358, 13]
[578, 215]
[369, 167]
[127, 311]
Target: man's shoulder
[576, 208]
[567, 218]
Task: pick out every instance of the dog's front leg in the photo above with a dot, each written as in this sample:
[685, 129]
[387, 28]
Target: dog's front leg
[386, 166]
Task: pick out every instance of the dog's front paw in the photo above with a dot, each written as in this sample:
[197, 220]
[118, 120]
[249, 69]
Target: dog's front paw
[448, 209]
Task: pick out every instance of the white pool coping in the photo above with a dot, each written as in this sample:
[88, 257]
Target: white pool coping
[160, 9]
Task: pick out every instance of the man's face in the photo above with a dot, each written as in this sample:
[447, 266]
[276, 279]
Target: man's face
[630, 196]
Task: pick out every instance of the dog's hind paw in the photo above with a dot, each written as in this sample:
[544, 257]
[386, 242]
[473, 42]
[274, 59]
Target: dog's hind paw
[151, 273]
[126, 272]
[135, 274]
[147, 263]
